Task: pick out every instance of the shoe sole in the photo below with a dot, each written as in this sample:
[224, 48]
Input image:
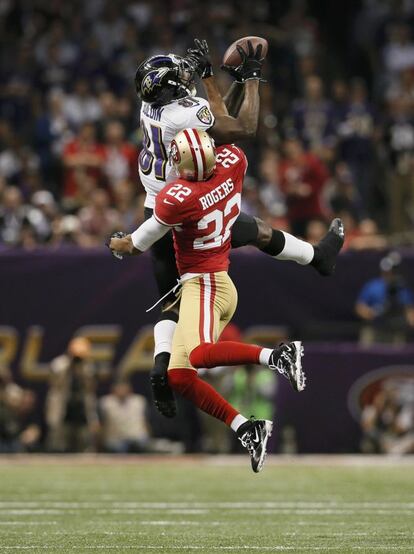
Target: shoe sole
[268, 430]
[163, 397]
[299, 378]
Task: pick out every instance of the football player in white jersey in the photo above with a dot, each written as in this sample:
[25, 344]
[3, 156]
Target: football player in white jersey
[165, 85]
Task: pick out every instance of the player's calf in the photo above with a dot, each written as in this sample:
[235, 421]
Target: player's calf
[162, 393]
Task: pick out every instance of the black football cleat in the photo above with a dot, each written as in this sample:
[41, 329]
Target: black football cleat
[328, 248]
[286, 359]
[254, 434]
[162, 393]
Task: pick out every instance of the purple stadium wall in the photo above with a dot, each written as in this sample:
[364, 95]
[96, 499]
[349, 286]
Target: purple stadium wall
[64, 290]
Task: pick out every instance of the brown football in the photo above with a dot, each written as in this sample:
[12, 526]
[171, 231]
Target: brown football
[232, 57]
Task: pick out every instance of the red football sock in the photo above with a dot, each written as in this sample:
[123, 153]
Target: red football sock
[224, 353]
[203, 395]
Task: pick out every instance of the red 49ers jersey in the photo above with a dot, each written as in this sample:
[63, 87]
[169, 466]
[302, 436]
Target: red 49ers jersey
[203, 212]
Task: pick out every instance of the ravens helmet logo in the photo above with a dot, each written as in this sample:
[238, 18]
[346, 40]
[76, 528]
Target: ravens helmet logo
[153, 79]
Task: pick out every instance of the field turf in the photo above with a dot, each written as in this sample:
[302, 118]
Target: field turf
[205, 505]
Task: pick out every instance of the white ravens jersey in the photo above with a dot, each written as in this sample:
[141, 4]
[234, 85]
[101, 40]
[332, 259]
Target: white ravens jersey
[160, 124]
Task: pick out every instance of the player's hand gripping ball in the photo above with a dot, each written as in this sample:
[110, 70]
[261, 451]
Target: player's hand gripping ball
[244, 58]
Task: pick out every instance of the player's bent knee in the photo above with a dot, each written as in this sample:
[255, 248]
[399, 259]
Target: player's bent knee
[264, 233]
[182, 380]
[197, 356]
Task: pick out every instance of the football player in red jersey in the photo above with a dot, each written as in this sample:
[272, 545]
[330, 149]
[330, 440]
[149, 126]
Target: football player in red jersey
[165, 85]
[201, 207]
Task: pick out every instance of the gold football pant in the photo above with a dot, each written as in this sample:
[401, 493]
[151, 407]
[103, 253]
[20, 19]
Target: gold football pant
[208, 303]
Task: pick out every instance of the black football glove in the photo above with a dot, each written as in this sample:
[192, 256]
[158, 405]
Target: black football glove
[235, 72]
[200, 58]
[116, 235]
[252, 62]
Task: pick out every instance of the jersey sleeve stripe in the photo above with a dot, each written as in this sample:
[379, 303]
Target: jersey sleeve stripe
[163, 222]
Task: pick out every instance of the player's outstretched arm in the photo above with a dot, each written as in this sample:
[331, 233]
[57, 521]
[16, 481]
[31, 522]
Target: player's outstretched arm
[226, 127]
[139, 241]
[231, 102]
[201, 60]
[121, 245]
[230, 129]
[234, 98]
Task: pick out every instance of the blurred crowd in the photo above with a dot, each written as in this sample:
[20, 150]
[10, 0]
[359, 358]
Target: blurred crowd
[336, 132]
[78, 414]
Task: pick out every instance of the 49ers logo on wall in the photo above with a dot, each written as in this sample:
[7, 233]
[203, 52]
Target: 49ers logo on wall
[397, 380]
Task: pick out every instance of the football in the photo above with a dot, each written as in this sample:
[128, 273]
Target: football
[232, 57]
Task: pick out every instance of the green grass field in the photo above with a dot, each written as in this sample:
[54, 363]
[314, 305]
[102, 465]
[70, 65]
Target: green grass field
[205, 505]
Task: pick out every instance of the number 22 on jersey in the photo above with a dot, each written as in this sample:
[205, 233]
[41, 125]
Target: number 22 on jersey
[221, 222]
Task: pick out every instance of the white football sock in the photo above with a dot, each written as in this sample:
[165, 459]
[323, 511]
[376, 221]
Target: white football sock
[163, 336]
[237, 421]
[264, 356]
[296, 250]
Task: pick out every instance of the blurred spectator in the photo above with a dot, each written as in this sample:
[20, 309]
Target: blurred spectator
[302, 179]
[356, 143]
[98, 220]
[312, 117]
[340, 191]
[81, 106]
[16, 160]
[71, 413]
[386, 304]
[315, 230]
[123, 420]
[17, 217]
[66, 230]
[12, 215]
[403, 88]
[301, 29]
[399, 50]
[82, 155]
[364, 236]
[128, 205]
[20, 430]
[121, 158]
[52, 132]
[399, 136]
[270, 192]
